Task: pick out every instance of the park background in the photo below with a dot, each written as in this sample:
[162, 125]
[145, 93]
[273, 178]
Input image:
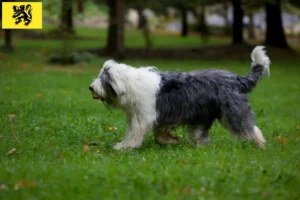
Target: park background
[56, 141]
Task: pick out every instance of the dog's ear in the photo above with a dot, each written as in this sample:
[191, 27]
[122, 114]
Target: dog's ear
[114, 77]
[118, 82]
[107, 84]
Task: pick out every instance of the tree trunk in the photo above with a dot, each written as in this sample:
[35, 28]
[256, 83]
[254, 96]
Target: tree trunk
[251, 28]
[202, 26]
[237, 27]
[67, 16]
[142, 18]
[227, 29]
[8, 46]
[144, 26]
[115, 40]
[275, 35]
[80, 6]
[184, 22]
[225, 13]
[8, 40]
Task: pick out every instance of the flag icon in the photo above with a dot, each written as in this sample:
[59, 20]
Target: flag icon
[22, 15]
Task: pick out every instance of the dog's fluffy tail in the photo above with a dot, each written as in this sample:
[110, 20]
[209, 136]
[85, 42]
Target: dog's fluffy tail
[259, 68]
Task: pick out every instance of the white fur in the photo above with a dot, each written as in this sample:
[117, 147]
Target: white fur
[258, 139]
[136, 90]
[259, 56]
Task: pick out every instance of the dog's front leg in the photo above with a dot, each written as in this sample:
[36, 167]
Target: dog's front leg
[137, 129]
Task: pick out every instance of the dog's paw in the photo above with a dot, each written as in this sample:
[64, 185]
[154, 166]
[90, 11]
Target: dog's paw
[124, 145]
[119, 146]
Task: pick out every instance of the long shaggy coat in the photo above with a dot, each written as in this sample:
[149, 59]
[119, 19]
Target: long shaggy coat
[164, 100]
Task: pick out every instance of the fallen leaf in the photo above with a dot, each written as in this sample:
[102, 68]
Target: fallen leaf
[298, 127]
[86, 147]
[113, 128]
[163, 154]
[25, 66]
[24, 184]
[187, 190]
[3, 187]
[14, 150]
[264, 195]
[281, 140]
[39, 95]
[183, 161]
[11, 116]
[59, 156]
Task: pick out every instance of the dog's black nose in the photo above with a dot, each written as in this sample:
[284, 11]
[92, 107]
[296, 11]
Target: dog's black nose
[91, 88]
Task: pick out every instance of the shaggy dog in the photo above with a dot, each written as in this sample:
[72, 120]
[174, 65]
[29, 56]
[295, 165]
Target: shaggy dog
[163, 100]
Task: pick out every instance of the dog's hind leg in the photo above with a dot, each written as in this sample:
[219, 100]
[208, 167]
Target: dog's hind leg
[238, 118]
[163, 135]
[199, 134]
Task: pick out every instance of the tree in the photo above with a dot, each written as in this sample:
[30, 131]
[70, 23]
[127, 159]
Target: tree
[250, 8]
[115, 40]
[184, 22]
[224, 13]
[202, 25]
[80, 6]
[183, 6]
[275, 35]
[8, 46]
[237, 27]
[66, 24]
[142, 19]
[251, 30]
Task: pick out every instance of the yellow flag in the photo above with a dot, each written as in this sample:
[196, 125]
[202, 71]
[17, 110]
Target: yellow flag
[22, 15]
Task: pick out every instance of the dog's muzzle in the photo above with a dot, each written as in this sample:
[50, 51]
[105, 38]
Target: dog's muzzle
[95, 96]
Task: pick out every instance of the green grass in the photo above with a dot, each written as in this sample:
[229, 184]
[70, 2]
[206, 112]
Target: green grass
[96, 38]
[55, 116]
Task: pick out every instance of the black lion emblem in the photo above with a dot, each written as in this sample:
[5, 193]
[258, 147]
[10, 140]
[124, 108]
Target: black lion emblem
[22, 12]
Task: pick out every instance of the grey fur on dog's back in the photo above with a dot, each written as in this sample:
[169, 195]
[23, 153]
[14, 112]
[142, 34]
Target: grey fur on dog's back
[200, 97]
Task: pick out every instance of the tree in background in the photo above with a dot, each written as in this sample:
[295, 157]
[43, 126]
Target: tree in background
[275, 35]
[237, 26]
[184, 22]
[143, 23]
[202, 25]
[66, 23]
[115, 38]
[80, 6]
[251, 7]
[199, 10]
[8, 46]
[183, 7]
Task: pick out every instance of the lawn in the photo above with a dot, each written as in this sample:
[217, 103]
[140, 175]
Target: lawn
[93, 37]
[65, 138]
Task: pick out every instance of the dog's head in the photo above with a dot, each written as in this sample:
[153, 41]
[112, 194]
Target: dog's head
[110, 84]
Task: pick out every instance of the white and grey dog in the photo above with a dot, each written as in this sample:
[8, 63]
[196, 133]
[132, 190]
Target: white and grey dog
[161, 101]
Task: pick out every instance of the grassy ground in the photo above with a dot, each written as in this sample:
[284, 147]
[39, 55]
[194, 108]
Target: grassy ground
[96, 38]
[65, 149]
